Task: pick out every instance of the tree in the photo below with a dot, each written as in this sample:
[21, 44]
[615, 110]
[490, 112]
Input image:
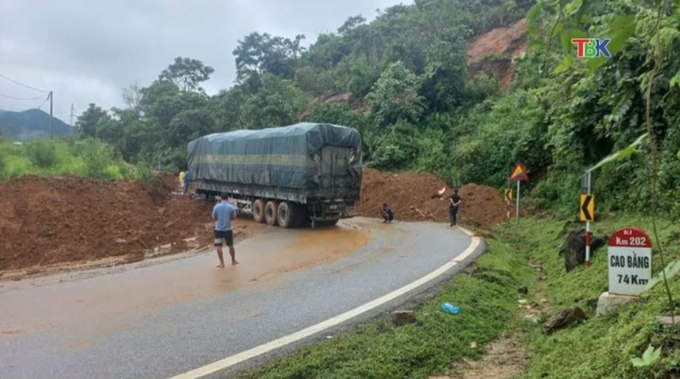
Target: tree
[110, 130]
[87, 121]
[226, 107]
[190, 124]
[395, 96]
[350, 24]
[278, 103]
[132, 95]
[187, 73]
[327, 52]
[258, 53]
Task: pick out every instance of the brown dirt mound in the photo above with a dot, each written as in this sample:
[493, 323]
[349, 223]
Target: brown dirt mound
[66, 219]
[414, 197]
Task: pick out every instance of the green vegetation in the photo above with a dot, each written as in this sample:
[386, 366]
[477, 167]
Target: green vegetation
[487, 296]
[85, 158]
[407, 87]
[602, 347]
[420, 107]
[406, 92]
[21, 126]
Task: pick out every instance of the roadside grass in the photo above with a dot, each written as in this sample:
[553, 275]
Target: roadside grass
[83, 158]
[488, 298]
[601, 347]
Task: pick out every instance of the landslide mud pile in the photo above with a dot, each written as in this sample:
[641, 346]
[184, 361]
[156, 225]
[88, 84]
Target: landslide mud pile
[45, 221]
[67, 219]
[414, 197]
[509, 41]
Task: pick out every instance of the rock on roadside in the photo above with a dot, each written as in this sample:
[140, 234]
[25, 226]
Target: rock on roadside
[563, 319]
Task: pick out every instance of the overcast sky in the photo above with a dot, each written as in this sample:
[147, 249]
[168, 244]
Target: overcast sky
[88, 50]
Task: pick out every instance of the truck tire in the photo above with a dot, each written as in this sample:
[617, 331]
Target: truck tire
[258, 211]
[270, 213]
[286, 215]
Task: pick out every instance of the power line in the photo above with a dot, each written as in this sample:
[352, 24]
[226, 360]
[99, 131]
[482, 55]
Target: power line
[37, 98]
[43, 103]
[23, 85]
[21, 98]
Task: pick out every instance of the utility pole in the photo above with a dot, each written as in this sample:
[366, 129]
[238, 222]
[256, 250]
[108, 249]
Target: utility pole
[51, 104]
[517, 205]
[73, 111]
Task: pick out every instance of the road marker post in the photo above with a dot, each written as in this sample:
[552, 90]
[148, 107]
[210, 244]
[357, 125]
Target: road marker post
[519, 174]
[508, 199]
[587, 213]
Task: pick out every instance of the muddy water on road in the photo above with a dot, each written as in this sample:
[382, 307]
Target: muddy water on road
[306, 249]
[100, 304]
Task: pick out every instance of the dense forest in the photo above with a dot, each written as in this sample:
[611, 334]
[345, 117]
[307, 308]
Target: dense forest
[404, 82]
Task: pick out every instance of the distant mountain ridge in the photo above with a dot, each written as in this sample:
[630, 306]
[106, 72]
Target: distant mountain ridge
[32, 123]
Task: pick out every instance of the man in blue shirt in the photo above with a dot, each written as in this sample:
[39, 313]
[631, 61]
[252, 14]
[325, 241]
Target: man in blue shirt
[224, 213]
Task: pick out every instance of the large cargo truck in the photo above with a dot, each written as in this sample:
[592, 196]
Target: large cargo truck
[297, 175]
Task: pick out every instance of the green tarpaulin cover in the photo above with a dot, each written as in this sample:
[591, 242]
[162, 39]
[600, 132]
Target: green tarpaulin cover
[274, 157]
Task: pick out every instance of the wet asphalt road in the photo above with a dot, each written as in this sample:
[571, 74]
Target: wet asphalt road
[159, 320]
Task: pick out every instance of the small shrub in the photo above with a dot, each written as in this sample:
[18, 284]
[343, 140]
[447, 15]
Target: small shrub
[42, 153]
[84, 158]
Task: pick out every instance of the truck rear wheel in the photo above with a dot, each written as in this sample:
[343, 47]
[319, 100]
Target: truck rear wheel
[286, 215]
[270, 213]
[258, 211]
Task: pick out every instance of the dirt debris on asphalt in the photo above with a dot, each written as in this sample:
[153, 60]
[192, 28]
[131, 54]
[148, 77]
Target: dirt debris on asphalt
[415, 197]
[45, 221]
[48, 221]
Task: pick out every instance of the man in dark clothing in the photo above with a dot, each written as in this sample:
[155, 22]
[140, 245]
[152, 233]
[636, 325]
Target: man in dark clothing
[387, 213]
[453, 207]
[186, 181]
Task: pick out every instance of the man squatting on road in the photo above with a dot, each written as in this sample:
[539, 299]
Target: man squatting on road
[224, 213]
[453, 208]
[387, 213]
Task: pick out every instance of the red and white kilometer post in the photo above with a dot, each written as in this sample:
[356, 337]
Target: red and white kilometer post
[588, 232]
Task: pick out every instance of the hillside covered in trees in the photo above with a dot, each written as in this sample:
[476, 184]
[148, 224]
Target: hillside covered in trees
[32, 123]
[407, 82]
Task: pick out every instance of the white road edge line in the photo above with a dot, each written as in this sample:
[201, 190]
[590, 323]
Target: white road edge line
[331, 322]
[469, 233]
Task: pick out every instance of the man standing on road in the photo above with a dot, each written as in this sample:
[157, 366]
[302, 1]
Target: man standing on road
[181, 181]
[186, 181]
[224, 213]
[453, 207]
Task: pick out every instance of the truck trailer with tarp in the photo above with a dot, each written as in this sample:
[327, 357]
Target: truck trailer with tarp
[296, 175]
